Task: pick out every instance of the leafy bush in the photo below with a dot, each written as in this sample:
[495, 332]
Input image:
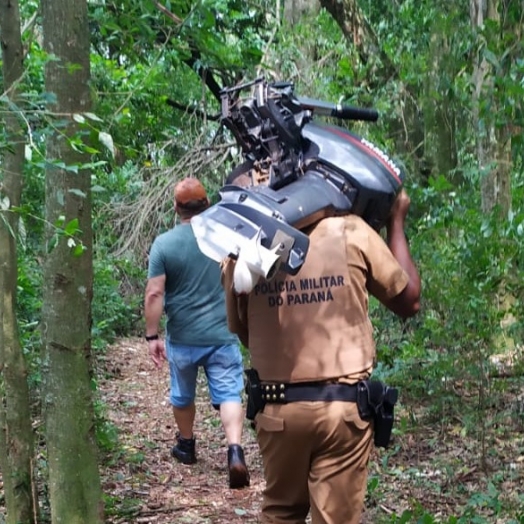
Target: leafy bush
[117, 300]
[471, 270]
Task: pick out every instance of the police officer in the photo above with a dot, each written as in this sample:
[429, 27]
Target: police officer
[310, 340]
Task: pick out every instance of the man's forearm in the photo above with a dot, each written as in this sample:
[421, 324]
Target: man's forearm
[398, 244]
[153, 309]
[408, 302]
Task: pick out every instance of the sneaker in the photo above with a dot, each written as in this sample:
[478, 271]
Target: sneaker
[184, 450]
[238, 474]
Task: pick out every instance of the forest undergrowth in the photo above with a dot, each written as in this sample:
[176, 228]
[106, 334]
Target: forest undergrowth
[437, 470]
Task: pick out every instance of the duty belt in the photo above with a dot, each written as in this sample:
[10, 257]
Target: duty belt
[311, 391]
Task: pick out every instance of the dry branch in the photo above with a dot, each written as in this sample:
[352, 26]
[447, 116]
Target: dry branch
[139, 221]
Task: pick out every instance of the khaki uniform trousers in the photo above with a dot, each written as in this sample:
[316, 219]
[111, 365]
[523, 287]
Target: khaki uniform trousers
[315, 456]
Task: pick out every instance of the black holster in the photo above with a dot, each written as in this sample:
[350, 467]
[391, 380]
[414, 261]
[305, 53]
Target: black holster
[376, 402]
[255, 402]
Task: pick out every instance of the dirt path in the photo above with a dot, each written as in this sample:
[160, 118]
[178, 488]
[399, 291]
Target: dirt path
[431, 468]
[145, 481]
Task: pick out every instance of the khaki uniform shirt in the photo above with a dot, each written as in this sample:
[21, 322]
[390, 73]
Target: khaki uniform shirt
[314, 326]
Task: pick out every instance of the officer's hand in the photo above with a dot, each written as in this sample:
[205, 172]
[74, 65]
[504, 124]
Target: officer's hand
[157, 352]
[400, 207]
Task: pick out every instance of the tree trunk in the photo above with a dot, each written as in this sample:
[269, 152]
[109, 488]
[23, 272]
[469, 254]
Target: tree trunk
[360, 34]
[440, 147]
[16, 436]
[349, 17]
[74, 482]
[493, 144]
[294, 9]
[294, 12]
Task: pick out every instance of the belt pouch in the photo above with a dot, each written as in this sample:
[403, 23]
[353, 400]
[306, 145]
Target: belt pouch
[255, 402]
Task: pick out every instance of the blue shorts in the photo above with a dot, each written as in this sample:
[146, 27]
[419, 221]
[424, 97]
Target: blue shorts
[223, 367]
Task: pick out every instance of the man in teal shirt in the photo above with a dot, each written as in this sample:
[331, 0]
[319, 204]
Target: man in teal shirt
[185, 284]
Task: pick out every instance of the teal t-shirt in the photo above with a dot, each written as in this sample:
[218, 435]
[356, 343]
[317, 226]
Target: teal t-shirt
[194, 299]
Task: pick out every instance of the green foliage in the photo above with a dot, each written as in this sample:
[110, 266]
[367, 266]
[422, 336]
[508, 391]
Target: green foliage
[106, 432]
[469, 262]
[473, 253]
[116, 301]
[482, 508]
[126, 507]
[29, 304]
[118, 282]
[142, 61]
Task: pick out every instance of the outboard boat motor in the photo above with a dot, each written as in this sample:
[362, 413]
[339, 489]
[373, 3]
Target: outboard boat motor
[299, 171]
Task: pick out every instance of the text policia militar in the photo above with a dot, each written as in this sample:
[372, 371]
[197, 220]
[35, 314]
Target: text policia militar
[299, 292]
